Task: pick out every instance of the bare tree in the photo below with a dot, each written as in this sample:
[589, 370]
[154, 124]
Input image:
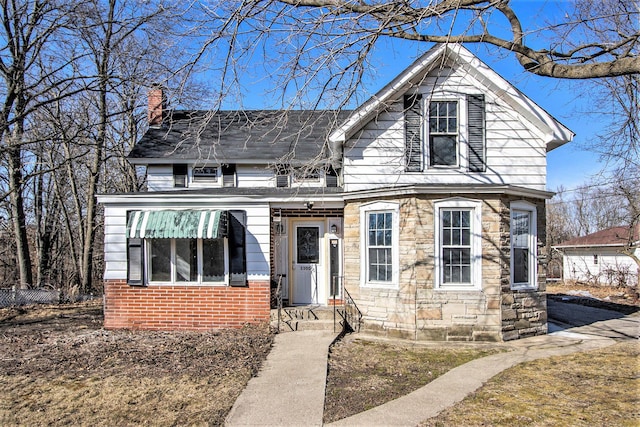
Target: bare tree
[28, 28]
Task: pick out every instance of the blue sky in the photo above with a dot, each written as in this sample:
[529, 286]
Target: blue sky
[570, 165]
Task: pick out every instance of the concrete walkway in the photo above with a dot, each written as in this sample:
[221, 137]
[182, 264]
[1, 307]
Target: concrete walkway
[290, 388]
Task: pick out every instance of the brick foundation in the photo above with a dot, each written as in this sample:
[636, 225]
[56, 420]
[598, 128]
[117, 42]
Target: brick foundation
[188, 307]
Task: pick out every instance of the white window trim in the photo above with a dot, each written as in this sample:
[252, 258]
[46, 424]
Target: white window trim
[463, 144]
[475, 206]
[394, 208]
[523, 206]
[173, 282]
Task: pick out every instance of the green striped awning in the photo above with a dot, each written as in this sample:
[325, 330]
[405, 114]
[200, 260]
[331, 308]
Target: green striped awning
[176, 224]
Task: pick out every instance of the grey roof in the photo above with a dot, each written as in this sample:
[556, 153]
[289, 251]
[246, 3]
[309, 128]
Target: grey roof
[266, 136]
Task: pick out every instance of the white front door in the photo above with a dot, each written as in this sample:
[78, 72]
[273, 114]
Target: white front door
[307, 265]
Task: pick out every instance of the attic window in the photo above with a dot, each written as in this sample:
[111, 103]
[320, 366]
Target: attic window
[207, 173]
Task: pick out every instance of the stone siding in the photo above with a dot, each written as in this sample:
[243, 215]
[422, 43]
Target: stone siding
[524, 312]
[415, 310]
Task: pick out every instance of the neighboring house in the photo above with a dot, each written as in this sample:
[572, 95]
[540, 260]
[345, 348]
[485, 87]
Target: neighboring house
[598, 257]
[426, 203]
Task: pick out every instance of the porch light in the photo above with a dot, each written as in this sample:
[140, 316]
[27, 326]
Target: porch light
[333, 229]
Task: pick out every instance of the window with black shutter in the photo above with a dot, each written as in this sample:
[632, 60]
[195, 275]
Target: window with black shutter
[413, 134]
[476, 125]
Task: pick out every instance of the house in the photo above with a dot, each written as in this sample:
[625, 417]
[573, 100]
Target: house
[426, 205]
[598, 258]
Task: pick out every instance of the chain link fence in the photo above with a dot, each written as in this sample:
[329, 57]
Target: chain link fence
[15, 297]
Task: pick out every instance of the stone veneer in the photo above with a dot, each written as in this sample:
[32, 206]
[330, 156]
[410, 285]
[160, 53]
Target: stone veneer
[416, 310]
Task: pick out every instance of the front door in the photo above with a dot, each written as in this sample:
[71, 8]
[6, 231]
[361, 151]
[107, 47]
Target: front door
[307, 263]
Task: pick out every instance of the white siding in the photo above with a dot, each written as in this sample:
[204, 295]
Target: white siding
[579, 265]
[115, 242]
[515, 153]
[249, 176]
[160, 177]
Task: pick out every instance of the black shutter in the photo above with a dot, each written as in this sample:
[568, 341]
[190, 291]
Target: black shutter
[412, 133]
[135, 262]
[282, 175]
[331, 178]
[228, 175]
[180, 175]
[477, 155]
[236, 226]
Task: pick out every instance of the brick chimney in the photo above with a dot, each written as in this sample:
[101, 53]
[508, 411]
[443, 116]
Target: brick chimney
[156, 105]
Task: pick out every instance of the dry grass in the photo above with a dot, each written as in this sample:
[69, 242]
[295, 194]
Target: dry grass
[57, 367]
[597, 388]
[364, 374]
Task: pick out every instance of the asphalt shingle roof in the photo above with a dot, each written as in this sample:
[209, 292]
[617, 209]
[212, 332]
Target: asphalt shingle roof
[617, 236]
[266, 136]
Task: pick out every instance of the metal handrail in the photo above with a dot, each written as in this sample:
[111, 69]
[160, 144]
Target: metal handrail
[352, 316]
[351, 311]
[279, 299]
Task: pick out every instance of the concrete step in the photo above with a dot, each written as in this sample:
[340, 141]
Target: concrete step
[307, 318]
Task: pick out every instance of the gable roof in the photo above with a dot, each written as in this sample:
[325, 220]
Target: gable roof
[251, 136]
[615, 236]
[556, 134]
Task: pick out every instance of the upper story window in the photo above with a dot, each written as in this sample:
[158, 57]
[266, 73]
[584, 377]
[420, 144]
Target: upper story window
[443, 133]
[205, 174]
[305, 174]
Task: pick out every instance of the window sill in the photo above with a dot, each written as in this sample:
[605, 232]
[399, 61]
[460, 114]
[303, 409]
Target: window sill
[379, 285]
[524, 288]
[188, 284]
[457, 288]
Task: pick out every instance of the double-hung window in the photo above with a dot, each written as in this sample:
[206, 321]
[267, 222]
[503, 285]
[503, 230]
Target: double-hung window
[443, 133]
[458, 258]
[523, 246]
[379, 230]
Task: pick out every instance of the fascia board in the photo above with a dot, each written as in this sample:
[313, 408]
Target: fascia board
[385, 96]
[554, 133]
[411, 190]
[187, 200]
